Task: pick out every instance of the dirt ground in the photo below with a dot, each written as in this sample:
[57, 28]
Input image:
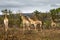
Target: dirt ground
[19, 34]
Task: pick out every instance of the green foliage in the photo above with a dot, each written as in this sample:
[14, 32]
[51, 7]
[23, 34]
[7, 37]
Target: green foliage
[4, 11]
[54, 13]
[15, 19]
[58, 10]
[36, 14]
[1, 20]
[47, 23]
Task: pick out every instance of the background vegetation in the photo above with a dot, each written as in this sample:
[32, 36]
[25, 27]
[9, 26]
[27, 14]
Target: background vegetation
[16, 33]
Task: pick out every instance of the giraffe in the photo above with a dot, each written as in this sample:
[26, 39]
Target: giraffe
[53, 24]
[40, 23]
[32, 22]
[25, 22]
[35, 22]
[6, 23]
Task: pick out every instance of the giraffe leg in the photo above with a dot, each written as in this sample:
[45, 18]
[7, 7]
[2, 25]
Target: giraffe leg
[6, 27]
[35, 26]
[41, 27]
[29, 27]
[23, 27]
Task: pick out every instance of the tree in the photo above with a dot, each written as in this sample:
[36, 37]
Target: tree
[53, 13]
[47, 23]
[19, 20]
[5, 12]
[10, 12]
[58, 10]
[36, 14]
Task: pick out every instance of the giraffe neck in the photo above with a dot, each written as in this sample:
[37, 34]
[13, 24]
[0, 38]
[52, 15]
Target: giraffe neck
[23, 18]
[5, 17]
[30, 19]
[52, 21]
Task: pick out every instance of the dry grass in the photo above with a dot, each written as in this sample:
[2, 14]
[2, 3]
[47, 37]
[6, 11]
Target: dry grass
[19, 34]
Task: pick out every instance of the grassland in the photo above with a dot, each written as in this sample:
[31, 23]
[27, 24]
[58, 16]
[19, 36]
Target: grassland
[18, 34]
